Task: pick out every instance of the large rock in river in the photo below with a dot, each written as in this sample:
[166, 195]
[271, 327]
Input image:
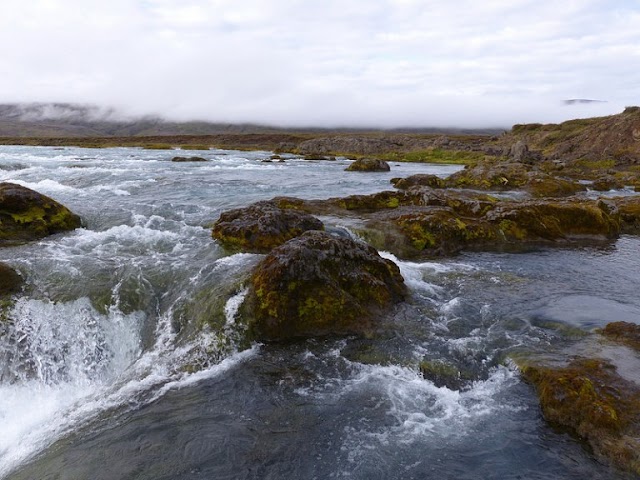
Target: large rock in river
[26, 215]
[262, 226]
[318, 284]
[368, 165]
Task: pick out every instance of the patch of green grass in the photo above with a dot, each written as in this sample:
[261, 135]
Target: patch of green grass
[158, 146]
[603, 164]
[194, 147]
[436, 155]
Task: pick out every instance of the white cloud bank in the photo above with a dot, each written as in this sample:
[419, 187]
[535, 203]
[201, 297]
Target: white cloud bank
[326, 62]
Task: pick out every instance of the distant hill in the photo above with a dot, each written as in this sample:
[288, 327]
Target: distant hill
[65, 120]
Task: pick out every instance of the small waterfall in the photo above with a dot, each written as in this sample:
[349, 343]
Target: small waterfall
[53, 357]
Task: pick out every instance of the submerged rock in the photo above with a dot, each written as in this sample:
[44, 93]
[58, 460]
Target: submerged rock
[10, 281]
[262, 226]
[368, 165]
[188, 159]
[318, 284]
[27, 215]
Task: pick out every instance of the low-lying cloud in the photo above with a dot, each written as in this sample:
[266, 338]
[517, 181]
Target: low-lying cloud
[384, 63]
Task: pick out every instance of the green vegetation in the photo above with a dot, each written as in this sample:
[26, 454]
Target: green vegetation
[158, 146]
[434, 155]
[603, 164]
[194, 147]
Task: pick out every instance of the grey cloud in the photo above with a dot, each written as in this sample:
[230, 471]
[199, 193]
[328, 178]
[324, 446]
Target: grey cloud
[370, 63]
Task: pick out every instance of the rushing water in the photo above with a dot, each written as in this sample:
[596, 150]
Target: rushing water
[105, 375]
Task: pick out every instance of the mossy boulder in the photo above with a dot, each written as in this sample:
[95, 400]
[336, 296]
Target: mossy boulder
[588, 397]
[26, 215]
[368, 165]
[262, 226]
[10, 281]
[188, 159]
[317, 285]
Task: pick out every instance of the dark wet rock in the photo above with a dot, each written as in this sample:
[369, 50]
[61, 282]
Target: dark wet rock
[590, 398]
[420, 179]
[266, 160]
[368, 165]
[27, 215]
[262, 226]
[275, 157]
[10, 281]
[623, 332]
[318, 284]
[188, 159]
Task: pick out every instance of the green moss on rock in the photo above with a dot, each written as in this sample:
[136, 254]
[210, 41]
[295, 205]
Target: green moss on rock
[262, 226]
[590, 398]
[27, 215]
[368, 165]
[318, 284]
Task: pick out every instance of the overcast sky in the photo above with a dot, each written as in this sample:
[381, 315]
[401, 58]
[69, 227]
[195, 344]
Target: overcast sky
[326, 62]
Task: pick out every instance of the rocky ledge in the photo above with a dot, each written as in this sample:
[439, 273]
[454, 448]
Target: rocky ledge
[26, 215]
[427, 222]
[499, 176]
[593, 391]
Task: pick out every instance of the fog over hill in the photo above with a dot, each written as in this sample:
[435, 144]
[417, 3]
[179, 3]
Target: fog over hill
[84, 120]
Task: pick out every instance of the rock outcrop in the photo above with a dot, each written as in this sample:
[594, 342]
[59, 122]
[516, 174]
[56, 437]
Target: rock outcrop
[503, 176]
[27, 215]
[368, 165]
[426, 222]
[593, 390]
[318, 284]
[262, 226]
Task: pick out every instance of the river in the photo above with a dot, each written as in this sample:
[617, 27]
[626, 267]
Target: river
[105, 376]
